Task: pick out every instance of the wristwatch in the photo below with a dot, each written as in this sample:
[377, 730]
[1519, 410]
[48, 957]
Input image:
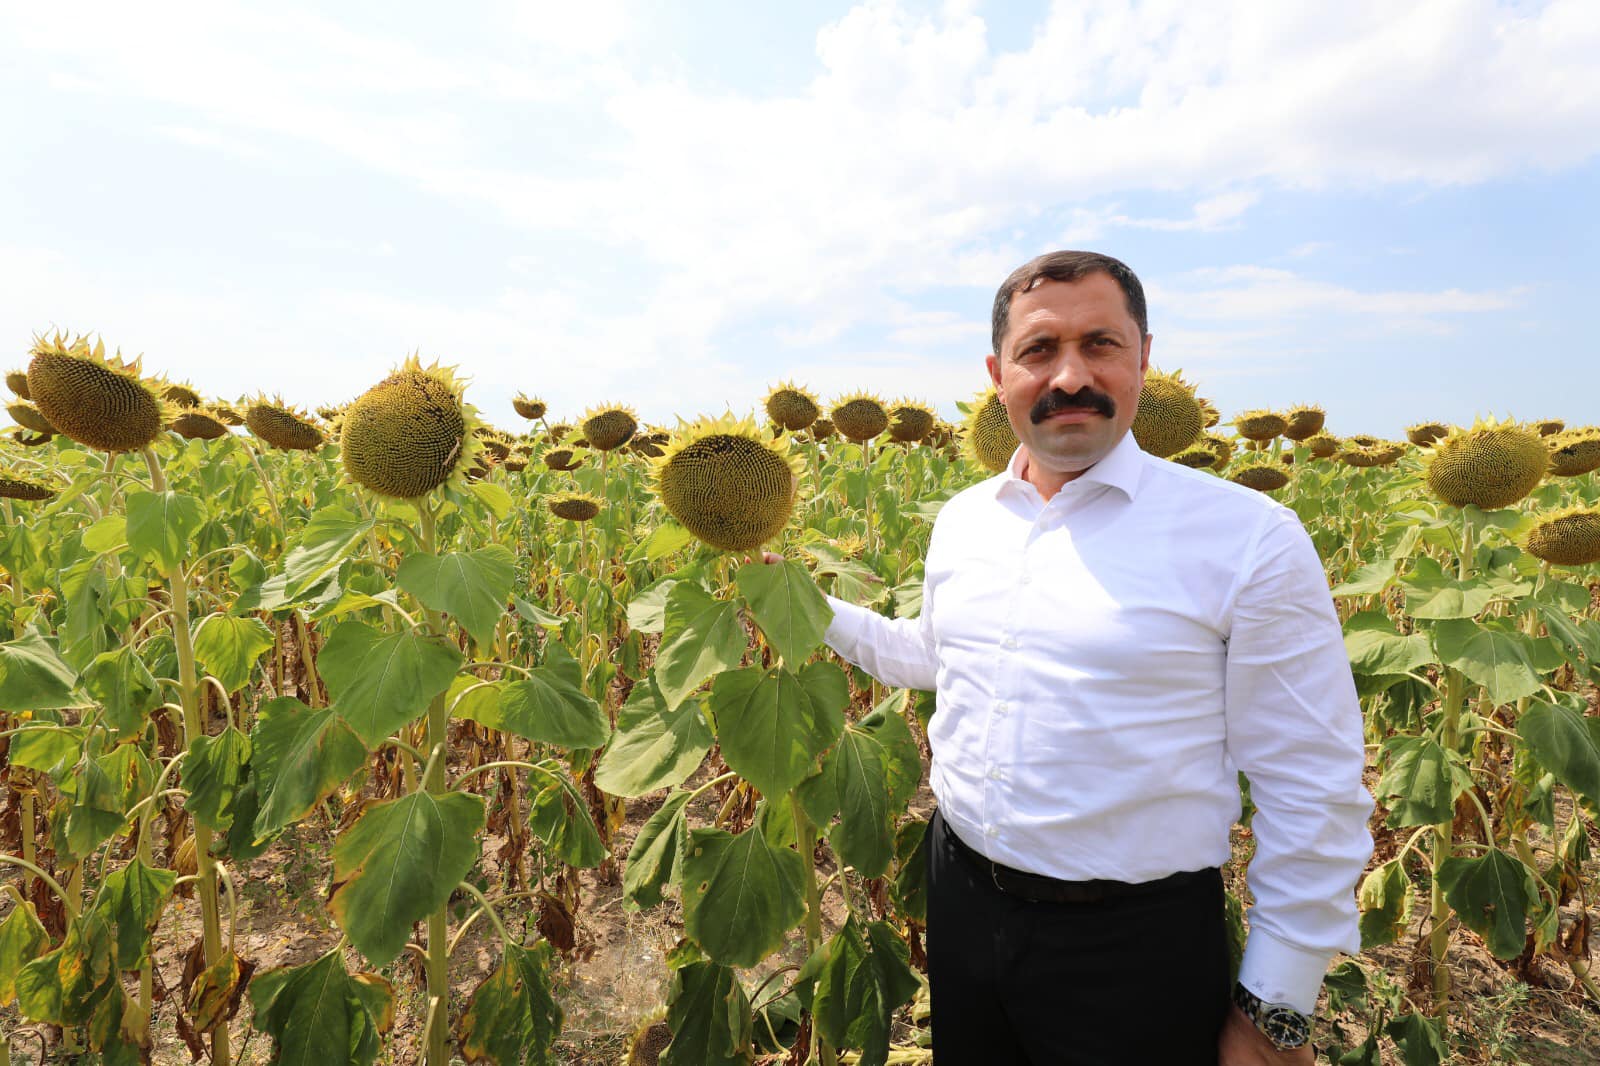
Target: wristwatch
[1286, 1027]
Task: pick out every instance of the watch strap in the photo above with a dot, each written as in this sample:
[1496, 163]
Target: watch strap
[1281, 1023]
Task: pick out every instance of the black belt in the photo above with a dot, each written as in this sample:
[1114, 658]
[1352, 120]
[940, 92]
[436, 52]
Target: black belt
[1038, 888]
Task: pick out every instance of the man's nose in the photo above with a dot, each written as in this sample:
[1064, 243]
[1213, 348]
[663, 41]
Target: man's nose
[1071, 371]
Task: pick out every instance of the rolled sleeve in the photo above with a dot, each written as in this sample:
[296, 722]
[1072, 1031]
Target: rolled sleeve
[1294, 728]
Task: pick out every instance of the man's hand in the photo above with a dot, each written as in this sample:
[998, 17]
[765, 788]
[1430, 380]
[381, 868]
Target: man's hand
[1242, 1044]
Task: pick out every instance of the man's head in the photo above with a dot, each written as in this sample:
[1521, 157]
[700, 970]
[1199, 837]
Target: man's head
[1071, 344]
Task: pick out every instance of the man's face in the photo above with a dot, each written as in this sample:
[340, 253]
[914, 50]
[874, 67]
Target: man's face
[1069, 371]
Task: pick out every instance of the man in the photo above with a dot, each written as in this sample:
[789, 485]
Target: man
[1111, 638]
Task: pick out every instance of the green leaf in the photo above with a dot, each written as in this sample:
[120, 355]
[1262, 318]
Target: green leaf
[547, 708]
[647, 609]
[866, 779]
[1578, 637]
[787, 605]
[494, 497]
[22, 939]
[299, 756]
[773, 724]
[322, 545]
[382, 681]
[66, 985]
[1418, 781]
[1490, 895]
[1567, 744]
[653, 860]
[318, 1014]
[94, 809]
[709, 1015]
[124, 687]
[667, 538]
[472, 587]
[33, 677]
[1385, 901]
[50, 749]
[512, 1018]
[702, 636]
[1432, 593]
[653, 747]
[1375, 649]
[228, 647]
[213, 770]
[558, 815]
[1369, 580]
[399, 862]
[1419, 1039]
[106, 533]
[161, 524]
[910, 883]
[861, 983]
[740, 894]
[1492, 653]
[131, 901]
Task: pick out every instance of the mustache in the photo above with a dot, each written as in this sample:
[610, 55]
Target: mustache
[1085, 399]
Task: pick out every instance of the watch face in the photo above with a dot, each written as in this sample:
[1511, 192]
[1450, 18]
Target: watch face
[1286, 1027]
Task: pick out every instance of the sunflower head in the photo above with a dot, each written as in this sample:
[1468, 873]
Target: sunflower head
[100, 402]
[859, 416]
[411, 432]
[16, 486]
[989, 436]
[729, 482]
[574, 506]
[17, 382]
[1169, 417]
[1569, 537]
[791, 406]
[1574, 451]
[609, 426]
[1424, 434]
[529, 407]
[910, 421]
[1305, 421]
[1260, 425]
[1322, 445]
[1492, 465]
[197, 423]
[1258, 472]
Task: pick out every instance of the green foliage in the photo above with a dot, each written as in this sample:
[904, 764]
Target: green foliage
[381, 681]
[318, 1013]
[472, 587]
[512, 1018]
[740, 894]
[772, 724]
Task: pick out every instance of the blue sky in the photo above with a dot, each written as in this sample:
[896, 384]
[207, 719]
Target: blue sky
[1392, 210]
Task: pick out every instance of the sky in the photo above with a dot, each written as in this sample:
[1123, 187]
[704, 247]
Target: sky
[1392, 210]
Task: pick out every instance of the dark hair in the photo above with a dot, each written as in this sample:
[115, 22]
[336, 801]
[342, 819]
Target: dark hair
[1067, 266]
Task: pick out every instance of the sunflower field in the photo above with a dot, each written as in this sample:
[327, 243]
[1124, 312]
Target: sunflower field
[480, 692]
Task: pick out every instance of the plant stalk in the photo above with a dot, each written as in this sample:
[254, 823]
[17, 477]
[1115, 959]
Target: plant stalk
[434, 780]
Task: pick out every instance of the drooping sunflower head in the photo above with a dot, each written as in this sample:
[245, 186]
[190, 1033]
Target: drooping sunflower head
[910, 421]
[411, 432]
[563, 459]
[989, 436]
[1259, 472]
[1424, 434]
[791, 406]
[529, 407]
[17, 486]
[496, 442]
[1574, 451]
[1548, 427]
[1305, 421]
[29, 417]
[1261, 425]
[1569, 537]
[1169, 416]
[197, 423]
[1491, 465]
[283, 426]
[648, 1040]
[181, 394]
[859, 416]
[17, 382]
[729, 482]
[1222, 446]
[574, 506]
[1200, 456]
[100, 402]
[1322, 445]
[1363, 440]
[609, 426]
[1378, 453]
[822, 429]
[1209, 414]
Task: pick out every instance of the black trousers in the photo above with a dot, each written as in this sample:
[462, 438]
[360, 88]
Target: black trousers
[1141, 979]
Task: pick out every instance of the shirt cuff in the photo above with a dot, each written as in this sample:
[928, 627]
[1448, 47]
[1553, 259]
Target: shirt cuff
[844, 632]
[1282, 973]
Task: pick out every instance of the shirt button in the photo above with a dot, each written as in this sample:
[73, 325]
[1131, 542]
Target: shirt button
[994, 773]
[991, 831]
[1010, 643]
[1000, 707]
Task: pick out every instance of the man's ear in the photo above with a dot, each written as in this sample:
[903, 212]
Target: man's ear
[993, 363]
[1144, 356]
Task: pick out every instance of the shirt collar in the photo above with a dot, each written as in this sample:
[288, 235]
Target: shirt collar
[1121, 469]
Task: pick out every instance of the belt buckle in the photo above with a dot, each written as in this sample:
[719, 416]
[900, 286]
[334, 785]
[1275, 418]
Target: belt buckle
[994, 875]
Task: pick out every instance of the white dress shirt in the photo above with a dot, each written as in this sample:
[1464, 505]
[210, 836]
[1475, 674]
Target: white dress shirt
[1106, 661]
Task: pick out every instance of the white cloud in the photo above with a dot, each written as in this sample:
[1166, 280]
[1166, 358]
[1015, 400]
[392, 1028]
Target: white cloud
[919, 155]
